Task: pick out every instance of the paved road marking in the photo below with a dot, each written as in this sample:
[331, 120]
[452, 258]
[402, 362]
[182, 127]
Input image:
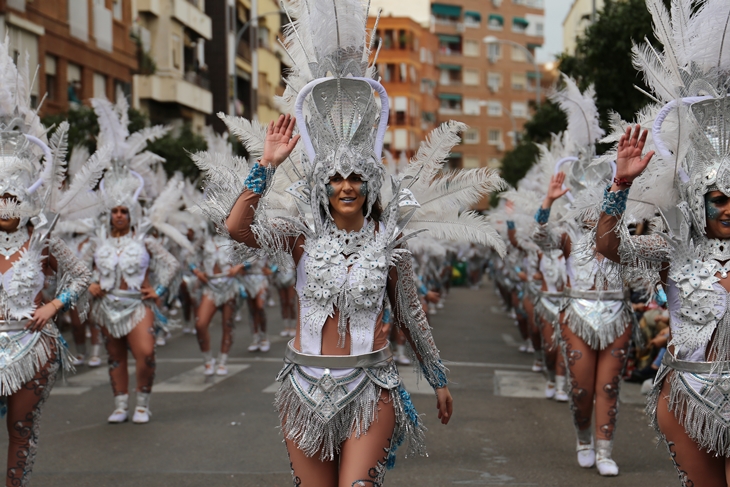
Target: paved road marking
[510, 383]
[407, 375]
[194, 381]
[84, 382]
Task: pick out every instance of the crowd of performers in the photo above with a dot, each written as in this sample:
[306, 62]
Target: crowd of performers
[360, 253]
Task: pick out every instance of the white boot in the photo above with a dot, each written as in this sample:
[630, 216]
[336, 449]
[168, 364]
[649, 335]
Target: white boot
[209, 364]
[584, 448]
[606, 466]
[401, 357]
[550, 389]
[222, 367]
[264, 344]
[560, 388]
[142, 411]
[285, 331]
[95, 358]
[254, 347]
[120, 414]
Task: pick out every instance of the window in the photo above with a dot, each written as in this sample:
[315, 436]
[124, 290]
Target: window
[471, 136]
[263, 36]
[177, 51]
[450, 74]
[494, 137]
[530, 3]
[118, 9]
[494, 163]
[494, 108]
[400, 107]
[519, 81]
[73, 78]
[494, 81]
[401, 139]
[494, 51]
[495, 22]
[449, 103]
[471, 77]
[472, 18]
[519, 109]
[78, 19]
[471, 106]
[471, 48]
[535, 25]
[99, 86]
[449, 45]
[51, 80]
[518, 54]
[519, 25]
[471, 162]
[103, 26]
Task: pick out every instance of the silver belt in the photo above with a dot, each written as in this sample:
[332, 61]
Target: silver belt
[695, 367]
[337, 361]
[125, 293]
[597, 295]
[13, 325]
[552, 294]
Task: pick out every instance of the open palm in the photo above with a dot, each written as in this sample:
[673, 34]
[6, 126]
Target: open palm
[279, 142]
[629, 160]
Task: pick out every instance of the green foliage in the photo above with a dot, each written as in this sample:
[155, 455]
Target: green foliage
[174, 147]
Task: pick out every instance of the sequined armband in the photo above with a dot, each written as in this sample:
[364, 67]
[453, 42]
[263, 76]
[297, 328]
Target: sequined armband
[510, 225]
[614, 202]
[436, 377]
[542, 215]
[160, 290]
[68, 298]
[192, 267]
[258, 177]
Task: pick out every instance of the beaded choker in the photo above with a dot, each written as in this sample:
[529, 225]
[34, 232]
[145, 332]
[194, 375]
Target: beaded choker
[10, 243]
[717, 249]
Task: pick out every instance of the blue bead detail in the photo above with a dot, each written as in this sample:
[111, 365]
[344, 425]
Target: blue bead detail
[436, 377]
[422, 289]
[510, 225]
[542, 215]
[257, 178]
[68, 298]
[274, 268]
[192, 267]
[160, 290]
[412, 414]
[614, 202]
[242, 292]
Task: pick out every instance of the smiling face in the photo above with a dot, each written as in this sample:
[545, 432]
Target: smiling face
[120, 219]
[347, 195]
[717, 211]
[9, 225]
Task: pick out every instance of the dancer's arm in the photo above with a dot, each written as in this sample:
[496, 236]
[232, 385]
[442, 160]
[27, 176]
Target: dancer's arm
[543, 237]
[165, 265]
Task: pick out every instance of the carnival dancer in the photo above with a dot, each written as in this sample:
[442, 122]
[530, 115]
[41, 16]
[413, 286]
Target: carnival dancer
[688, 181]
[284, 280]
[221, 291]
[32, 350]
[342, 405]
[597, 320]
[255, 279]
[126, 304]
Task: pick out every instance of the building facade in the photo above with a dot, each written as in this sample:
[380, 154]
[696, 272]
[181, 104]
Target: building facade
[82, 48]
[406, 66]
[173, 84]
[578, 18]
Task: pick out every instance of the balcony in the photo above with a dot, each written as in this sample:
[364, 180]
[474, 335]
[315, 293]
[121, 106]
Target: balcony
[149, 6]
[173, 90]
[192, 17]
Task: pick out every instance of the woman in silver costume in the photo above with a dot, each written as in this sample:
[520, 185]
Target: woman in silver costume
[284, 279]
[688, 180]
[596, 319]
[342, 406]
[255, 280]
[31, 348]
[221, 291]
[132, 270]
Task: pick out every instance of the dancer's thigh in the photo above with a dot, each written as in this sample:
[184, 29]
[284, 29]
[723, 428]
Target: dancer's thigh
[311, 471]
[695, 467]
[362, 460]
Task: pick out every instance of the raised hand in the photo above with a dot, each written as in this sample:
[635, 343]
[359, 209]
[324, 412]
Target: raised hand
[555, 188]
[279, 142]
[629, 162]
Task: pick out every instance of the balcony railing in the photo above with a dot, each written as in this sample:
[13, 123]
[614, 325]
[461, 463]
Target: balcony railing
[199, 79]
[244, 50]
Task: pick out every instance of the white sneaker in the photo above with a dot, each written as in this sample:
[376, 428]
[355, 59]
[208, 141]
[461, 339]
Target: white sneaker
[605, 465]
[94, 362]
[264, 345]
[120, 414]
[209, 367]
[561, 396]
[161, 342]
[537, 366]
[284, 332]
[525, 347]
[402, 360]
[271, 303]
[188, 330]
[550, 390]
[292, 332]
[221, 370]
[78, 360]
[254, 347]
[530, 348]
[141, 415]
[586, 454]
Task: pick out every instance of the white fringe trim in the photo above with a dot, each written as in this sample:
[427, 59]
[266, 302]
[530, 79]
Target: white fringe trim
[25, 367]
[606, 334]
[119, 329]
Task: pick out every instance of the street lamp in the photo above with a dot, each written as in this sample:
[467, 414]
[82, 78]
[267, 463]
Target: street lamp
[254, 60]
[494, 40]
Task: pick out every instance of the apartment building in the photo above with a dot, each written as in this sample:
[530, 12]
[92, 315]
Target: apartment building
[487, 85]
[173, 84]
[406, 66]
[578, 18]
[82, 47]
[245, 62]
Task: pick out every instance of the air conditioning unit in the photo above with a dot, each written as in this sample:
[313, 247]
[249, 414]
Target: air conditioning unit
[500, 146]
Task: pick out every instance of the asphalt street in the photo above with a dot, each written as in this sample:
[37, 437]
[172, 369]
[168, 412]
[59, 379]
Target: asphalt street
[223, 432]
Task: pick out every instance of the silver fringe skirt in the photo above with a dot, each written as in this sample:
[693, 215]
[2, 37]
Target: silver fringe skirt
[119, 311]
[599, 318]
[324, 400]
[221, 289]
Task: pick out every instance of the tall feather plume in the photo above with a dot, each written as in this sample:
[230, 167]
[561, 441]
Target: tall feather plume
[460, 189]
[59, 149]
[79, 156]
[139, 140]
[581, 110]
[433, 152]
[251, 133]
[711, 52]
[79, 200]
[468, 226]
[111, 131]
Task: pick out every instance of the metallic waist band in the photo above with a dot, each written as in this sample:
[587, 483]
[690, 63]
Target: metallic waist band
[337, 361]
[695, 367]
[13, 325]
[597, 295]
[552, 294]
[125, 293]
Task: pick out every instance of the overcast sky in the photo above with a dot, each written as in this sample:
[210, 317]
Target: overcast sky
[555, 12]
